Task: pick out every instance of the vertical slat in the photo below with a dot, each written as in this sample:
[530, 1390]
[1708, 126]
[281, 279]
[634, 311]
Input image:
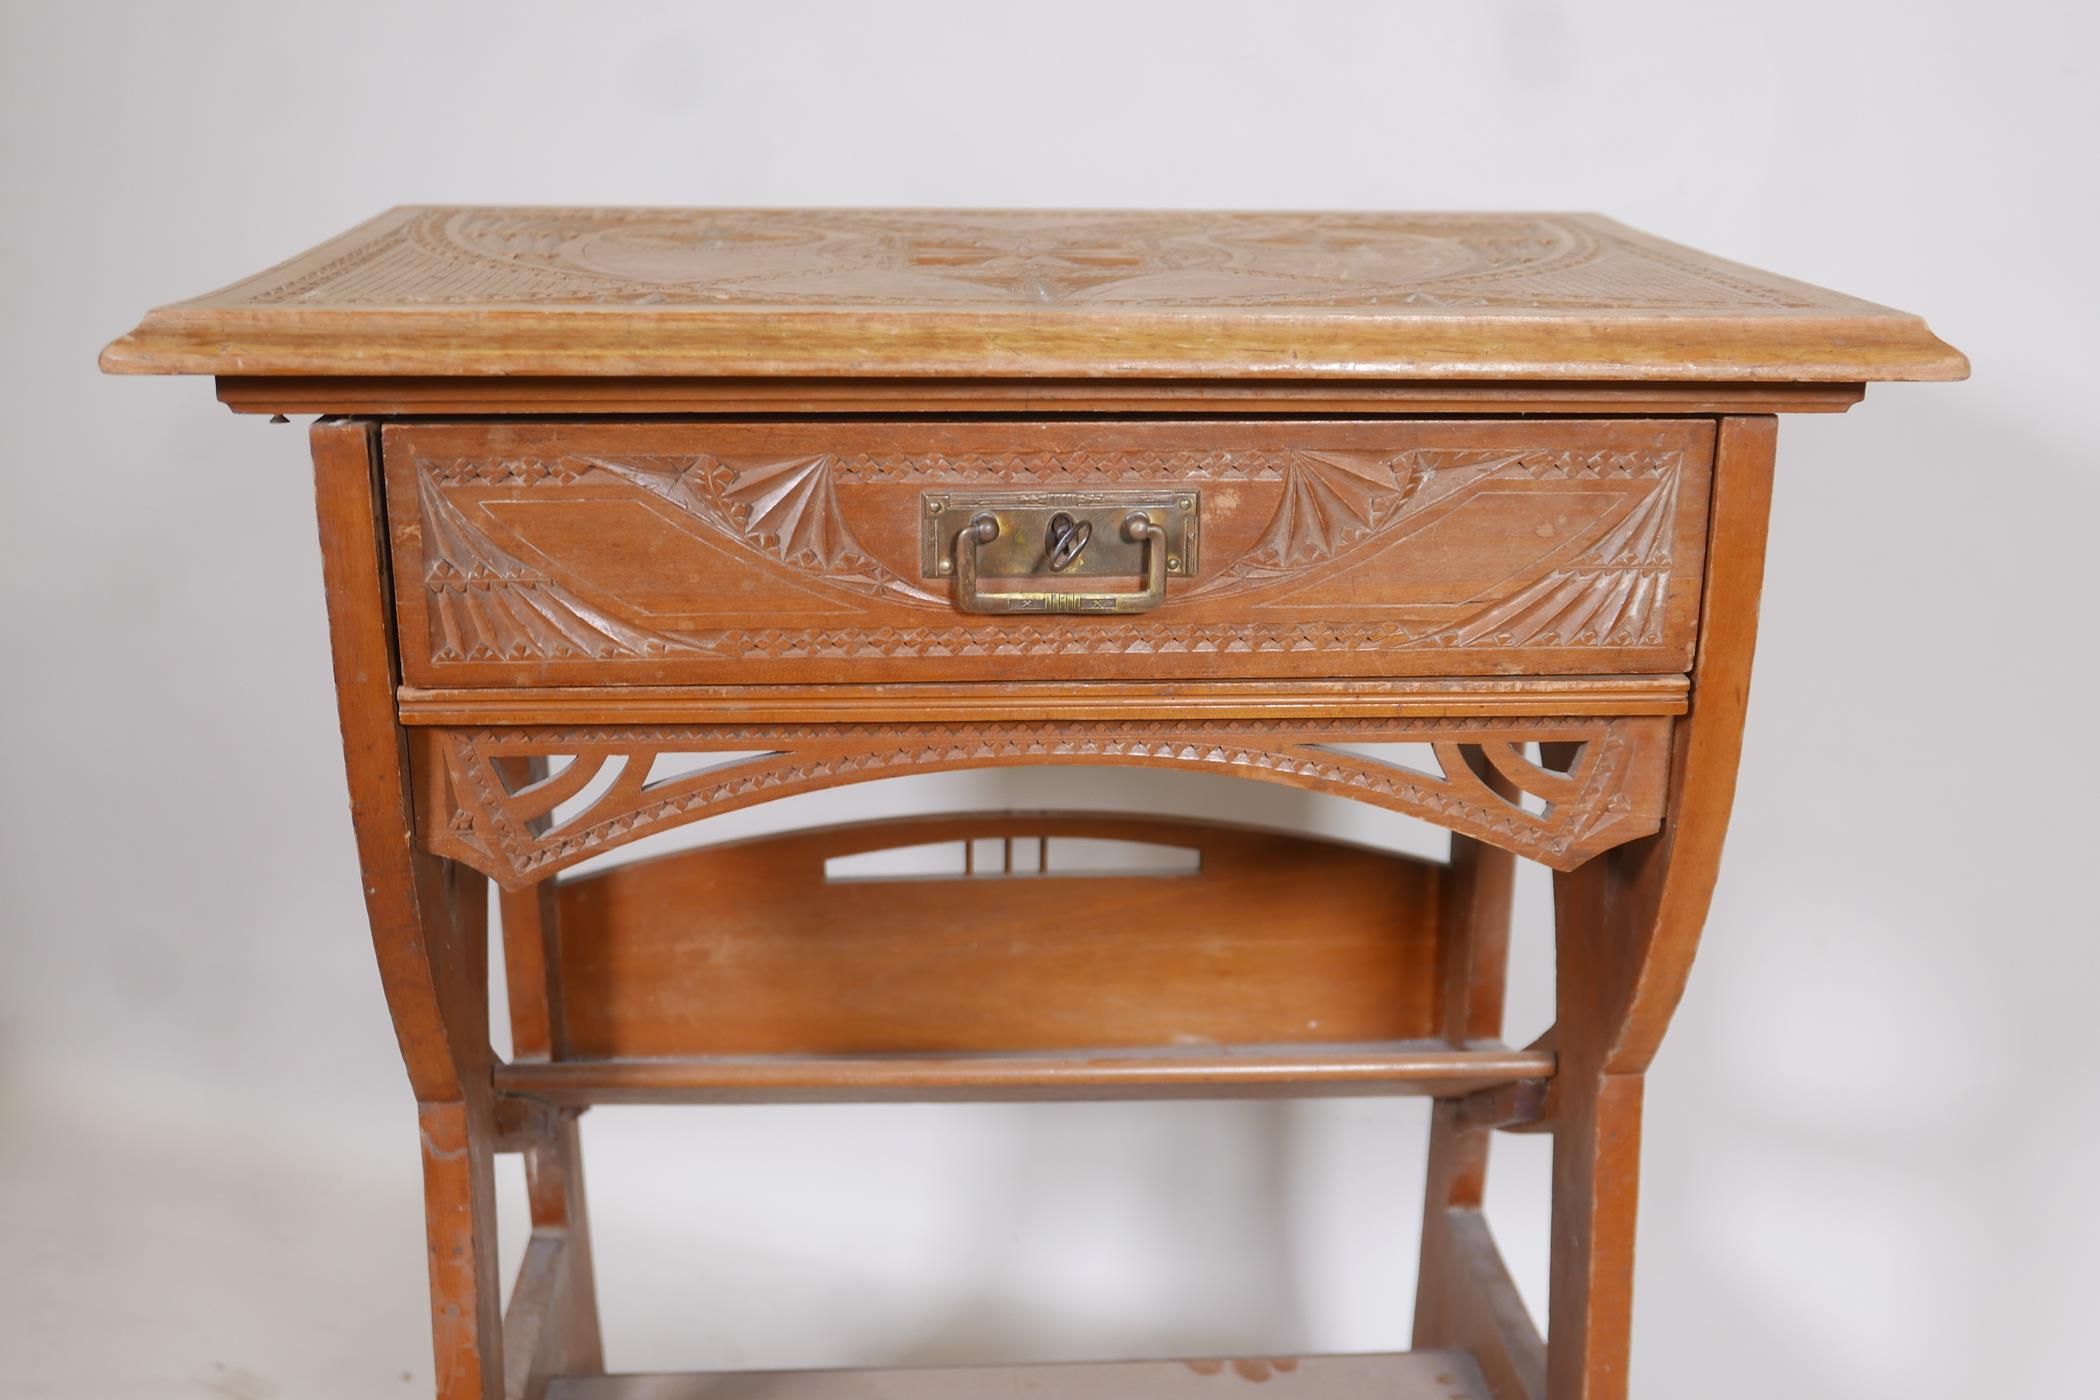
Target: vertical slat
[531, 955]
[567, 1336]
[1464, 1296]
[554, 1186]
[532, 1324]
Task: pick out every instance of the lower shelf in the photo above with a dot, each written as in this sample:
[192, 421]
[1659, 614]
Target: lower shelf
[1415, 1375]
[1432, 1067]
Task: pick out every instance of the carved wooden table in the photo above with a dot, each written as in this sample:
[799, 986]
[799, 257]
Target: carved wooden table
[634, 516]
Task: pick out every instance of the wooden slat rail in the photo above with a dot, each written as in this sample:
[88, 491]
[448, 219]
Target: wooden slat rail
[1432, 1068]
[903, 703]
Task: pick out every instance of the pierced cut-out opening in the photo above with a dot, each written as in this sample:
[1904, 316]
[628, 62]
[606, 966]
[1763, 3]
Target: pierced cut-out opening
[520, 774]
[1543, 772]
[670, 767]
[1562, 760]
[1033, 857]
[601, 783]
[1103, 785]
[933, 861]
[1088, 855]
[1024, 855]
[1533, 802]
[1418, 758]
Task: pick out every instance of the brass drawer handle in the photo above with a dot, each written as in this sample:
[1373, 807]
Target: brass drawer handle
[1138, 527]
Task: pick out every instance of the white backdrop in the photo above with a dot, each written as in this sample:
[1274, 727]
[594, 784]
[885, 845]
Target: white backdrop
[1871, 1135]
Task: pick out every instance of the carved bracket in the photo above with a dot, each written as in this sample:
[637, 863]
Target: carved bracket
[1592, 783]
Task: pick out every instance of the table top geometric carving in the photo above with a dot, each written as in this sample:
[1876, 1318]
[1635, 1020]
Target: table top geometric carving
[441, 290]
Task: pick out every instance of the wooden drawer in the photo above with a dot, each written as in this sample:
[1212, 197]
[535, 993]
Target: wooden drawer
[684, 552]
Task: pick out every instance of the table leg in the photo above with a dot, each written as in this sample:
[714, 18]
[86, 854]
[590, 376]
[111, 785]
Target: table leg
[429, 926]
[1627, 925]
[459, 1211]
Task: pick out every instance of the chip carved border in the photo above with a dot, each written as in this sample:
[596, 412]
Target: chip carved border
[489, 607]
[450, 256]
[1612, 791]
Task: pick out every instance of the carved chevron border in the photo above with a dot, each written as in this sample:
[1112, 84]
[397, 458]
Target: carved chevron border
[485, 604]
[480, 809]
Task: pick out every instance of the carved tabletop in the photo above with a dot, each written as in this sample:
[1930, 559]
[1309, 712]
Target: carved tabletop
[483, 291]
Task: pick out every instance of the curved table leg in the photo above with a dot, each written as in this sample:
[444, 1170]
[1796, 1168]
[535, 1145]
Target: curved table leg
[429, 929]
[1628, 924]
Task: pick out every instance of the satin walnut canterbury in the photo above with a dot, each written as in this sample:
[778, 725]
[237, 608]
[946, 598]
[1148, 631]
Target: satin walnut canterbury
[631, 517]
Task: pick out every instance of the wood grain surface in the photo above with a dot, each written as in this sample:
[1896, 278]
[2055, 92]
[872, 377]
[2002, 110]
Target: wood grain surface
[749, 948]
[680, 553]
[426, 290]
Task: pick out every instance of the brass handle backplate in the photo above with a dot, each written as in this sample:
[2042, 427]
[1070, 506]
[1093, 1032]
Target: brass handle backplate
[974, 536]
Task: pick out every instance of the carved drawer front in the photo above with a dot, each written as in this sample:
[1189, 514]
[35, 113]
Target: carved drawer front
[698, 552]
